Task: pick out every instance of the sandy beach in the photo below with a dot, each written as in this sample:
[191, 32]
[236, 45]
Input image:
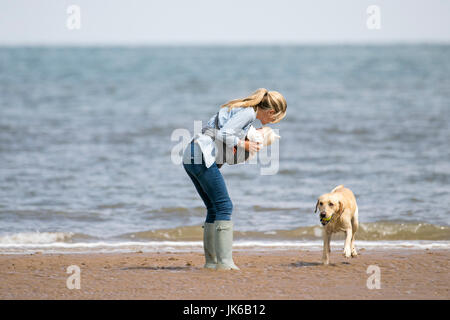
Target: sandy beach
[271, 274]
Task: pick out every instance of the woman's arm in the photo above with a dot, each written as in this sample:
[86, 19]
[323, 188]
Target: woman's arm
[250, 146]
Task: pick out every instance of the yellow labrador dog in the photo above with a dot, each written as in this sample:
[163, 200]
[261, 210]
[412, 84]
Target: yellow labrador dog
[338, 212]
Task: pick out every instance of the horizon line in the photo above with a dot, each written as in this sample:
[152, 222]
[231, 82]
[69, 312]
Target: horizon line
[225, 44]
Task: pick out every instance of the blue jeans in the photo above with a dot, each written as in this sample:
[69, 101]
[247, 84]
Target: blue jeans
[209, 183]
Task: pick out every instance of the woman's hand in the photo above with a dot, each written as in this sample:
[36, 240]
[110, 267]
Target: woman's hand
[250, 146]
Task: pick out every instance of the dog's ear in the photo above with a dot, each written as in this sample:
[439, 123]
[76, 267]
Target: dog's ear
[341, 207]
[317, 204]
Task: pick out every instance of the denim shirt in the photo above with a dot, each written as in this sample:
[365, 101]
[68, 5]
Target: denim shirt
[233, 125]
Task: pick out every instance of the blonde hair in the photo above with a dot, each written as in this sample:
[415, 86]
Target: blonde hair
[264, 99]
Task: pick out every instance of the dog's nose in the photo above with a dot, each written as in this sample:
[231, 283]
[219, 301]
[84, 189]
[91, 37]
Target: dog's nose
[322, 215]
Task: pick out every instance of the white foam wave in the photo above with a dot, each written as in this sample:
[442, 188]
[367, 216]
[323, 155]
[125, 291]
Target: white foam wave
[180, 246]
[24, 238]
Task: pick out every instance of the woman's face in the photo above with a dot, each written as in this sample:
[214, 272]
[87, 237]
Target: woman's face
[265, 115]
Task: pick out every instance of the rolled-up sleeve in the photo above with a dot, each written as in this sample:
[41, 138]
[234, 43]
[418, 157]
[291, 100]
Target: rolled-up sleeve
[229, 133]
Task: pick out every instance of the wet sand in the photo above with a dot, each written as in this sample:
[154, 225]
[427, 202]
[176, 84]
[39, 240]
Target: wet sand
[405, 274]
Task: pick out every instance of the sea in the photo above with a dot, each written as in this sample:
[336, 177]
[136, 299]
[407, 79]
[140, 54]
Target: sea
[89, 139]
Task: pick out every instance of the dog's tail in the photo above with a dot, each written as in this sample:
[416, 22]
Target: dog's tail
[337, 188]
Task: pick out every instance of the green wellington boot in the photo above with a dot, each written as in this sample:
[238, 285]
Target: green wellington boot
[208, 245]
[224, 242]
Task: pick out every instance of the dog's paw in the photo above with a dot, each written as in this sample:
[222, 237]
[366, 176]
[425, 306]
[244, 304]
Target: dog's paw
[325, 262]
[347, 253]
[354, 253]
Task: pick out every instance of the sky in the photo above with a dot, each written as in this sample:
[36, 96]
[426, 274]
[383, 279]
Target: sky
[147, 22]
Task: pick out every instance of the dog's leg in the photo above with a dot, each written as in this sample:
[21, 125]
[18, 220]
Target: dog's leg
[355, 225]
[326, 247]
[354, 252]
[348, 241]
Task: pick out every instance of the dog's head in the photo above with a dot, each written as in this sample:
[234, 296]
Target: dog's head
[264, 135]
[328, 204]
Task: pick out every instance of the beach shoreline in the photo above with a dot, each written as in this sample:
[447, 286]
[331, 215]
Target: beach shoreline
[265, 274]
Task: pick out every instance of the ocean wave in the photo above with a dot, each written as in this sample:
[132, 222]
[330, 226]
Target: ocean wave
[35, 238]
[188, 233]
[373, 231]
[197, 246]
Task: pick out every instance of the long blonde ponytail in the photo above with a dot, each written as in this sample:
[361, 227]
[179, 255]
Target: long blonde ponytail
[264, 99]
